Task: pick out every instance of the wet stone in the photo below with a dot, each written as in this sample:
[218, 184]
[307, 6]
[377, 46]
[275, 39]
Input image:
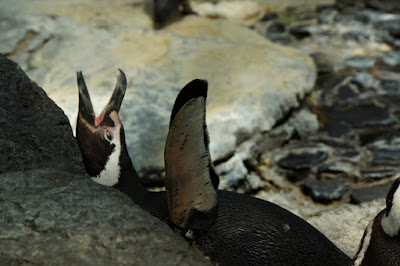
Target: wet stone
[326, 191]
[387, 6]
[392, 58]
[365, 114]
[363, 80]
[346, 92]
[391, 86]
[335, 168]
[385, 155]
[387, 38]
[335, 143]
[327, 16]
[302, 31]
[302, 161]
[391, 25]
[377, 174]
[339, 129]
[269, 16]
[358, 36]
[276, 28]
[353, 156]
[360, 62]
[369, 194]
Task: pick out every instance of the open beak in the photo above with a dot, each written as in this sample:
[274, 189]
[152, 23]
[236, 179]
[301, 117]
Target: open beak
[85, 104]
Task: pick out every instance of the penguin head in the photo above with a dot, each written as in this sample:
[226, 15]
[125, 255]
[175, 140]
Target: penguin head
[101, 138]
[391, 218]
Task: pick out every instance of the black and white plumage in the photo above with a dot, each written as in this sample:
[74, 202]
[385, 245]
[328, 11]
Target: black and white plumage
[229, 227]
[380, 244]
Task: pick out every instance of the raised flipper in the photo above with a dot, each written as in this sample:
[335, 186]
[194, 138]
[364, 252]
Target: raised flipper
[190, 179]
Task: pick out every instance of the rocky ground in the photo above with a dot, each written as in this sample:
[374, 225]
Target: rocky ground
[319, 137]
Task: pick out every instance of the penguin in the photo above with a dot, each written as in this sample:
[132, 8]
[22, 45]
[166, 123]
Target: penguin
[227, 227]
[164, 10]
[380, 244]
[101, 140]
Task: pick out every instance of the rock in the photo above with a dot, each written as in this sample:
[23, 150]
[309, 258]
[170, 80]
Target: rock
[276, 28]
[387, 6]
[337, 167]
[341, 130]
[54, 217]
[327, 16]
[303, 31]
[361, 115]
[254, 181]
[231, 173]
[346, 92]
[158, 64]
[326, 191]
[35, 132]
[305, 123]
[369, 193]
[360, 62]
[391, 86]
[364, 80]
[303, 160]
[377, 174]
[385, 155]
[392, 58]
[269, 16]
[359, 36]
[391, 25]
[345, 225]
[250, 11]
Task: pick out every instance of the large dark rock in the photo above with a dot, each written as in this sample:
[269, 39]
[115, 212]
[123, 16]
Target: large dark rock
[59, 216]
[35, 132]
[52, 217]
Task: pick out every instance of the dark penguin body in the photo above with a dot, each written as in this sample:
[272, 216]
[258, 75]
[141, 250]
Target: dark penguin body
[240, 230]
[250, 231]
[380, 244]
[165, 10]
[230, 228]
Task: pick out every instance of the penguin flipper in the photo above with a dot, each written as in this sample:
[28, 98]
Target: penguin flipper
[192, 197]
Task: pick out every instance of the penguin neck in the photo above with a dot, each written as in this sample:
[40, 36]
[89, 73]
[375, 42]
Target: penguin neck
[391, 219]
[128, 181]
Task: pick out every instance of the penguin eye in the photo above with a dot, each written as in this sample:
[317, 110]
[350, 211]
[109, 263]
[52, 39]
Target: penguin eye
[108, 135]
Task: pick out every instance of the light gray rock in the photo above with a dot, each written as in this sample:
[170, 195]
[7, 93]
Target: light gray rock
[252, 82]
[231, 173]
[345, 225]
[51, 217]
[249, 11]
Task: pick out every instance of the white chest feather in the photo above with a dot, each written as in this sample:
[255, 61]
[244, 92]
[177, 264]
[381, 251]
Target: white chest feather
[110, 174]
[391, 222]
[365, 244]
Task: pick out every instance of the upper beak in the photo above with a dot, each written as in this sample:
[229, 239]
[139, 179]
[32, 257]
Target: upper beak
[114, 104]
[85, 104]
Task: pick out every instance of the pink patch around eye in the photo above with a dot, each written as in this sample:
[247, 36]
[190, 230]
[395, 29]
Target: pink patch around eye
[98, 120]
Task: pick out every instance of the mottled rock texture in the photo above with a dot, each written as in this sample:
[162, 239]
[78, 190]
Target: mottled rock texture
[52, 217]
[35, 132]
